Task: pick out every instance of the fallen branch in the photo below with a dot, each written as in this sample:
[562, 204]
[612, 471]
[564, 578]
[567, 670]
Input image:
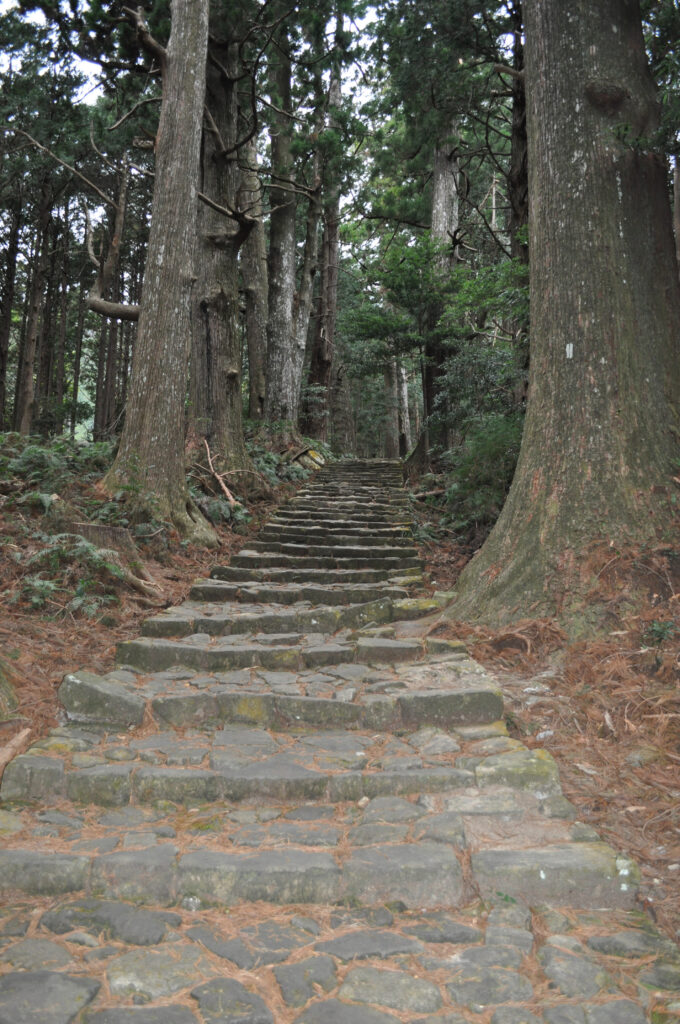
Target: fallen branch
[15, 746]
[227, 493]
[429, 494]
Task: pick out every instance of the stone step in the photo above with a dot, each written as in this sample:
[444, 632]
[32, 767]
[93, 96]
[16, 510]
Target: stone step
[239, 763]
[446, 693]
[403, 851]
[292, 652]
[366, 510]
[260, 560]
[340, 524]
[194, 617]
[336, 549]
[291, 593]
[240, 617]
[364, 537]
[241, 574]
[305, 800]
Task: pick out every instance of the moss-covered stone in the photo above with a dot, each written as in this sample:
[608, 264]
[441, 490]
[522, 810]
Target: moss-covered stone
[522, 769]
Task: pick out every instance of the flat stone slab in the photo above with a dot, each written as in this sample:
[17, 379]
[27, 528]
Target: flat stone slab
[44, 997]
[417, 875]
[227, 1001]
[279, 876]
[142, 1015]
[155, 974]
[579, 875]
[395, 989]
[301, 981]
[117, 920]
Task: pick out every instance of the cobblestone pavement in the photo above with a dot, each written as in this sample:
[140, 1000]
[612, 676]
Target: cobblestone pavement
[289, 804]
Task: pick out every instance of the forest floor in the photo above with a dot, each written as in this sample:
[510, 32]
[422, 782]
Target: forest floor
[608, 710]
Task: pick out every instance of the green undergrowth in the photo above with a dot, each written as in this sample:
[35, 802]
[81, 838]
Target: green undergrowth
[68, 548]
[466, 497]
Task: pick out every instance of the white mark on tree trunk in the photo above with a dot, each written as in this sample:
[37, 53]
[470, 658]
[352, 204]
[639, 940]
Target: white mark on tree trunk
[570, 351]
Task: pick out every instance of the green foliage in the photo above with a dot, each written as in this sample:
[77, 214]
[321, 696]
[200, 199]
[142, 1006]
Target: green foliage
[658, 632]
[37, 591]
[479, 473]
[52, 464]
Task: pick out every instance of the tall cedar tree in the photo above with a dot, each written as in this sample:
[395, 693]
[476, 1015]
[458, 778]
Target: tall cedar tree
[601, 432]
[150, 458]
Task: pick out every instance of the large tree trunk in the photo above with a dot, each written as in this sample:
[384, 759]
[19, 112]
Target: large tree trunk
[255, 283]
[283, 384]
[216, 405]
[151, 454]
[601, 431]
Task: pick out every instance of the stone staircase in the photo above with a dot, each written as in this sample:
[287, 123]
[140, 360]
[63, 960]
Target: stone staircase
[328, 801]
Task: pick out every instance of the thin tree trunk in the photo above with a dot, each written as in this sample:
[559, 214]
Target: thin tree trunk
[7, 300]
[24, 399]
[405, 438]
[80, 330]
[343, 430]
[323, 346]
[444, 225]
[100, 392]
[676, 206]
[255, 282]
[283, 387]
[59, 382]
[151, 453]
[391, 425]
[518, 180]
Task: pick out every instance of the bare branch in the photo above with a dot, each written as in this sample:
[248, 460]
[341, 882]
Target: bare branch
[113, 310]
[503, 69]
[107, 269]
[123, 119]
[144, 36]
[108, 163]
[212, 127]
[90, 241]
[34, 142]
[227, 493]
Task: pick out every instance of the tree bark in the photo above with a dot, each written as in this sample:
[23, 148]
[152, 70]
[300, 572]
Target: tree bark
[405, 437]
[343, 433]
[601, 430]
[150, 458]
[7, 302]
[255, 282]
[676, 206]
[444, 225]
[321, 359]
[391, 427]
[216, 404]
[518, 175]
[283, 386]
[25, 394]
